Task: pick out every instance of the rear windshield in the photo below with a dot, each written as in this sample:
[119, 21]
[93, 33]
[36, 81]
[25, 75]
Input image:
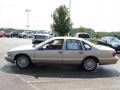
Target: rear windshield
[83, 36]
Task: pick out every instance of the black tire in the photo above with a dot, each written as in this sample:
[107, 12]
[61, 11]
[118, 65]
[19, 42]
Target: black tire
[89, 64]
[23, 61]
[24, 36]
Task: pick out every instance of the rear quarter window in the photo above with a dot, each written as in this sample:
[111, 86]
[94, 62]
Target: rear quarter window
[87, 46]
[83, 36]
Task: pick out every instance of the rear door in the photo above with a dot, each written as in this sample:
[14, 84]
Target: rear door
[73, 52]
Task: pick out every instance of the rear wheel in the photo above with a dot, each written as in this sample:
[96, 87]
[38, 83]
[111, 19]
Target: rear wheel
[89, 64]
[23, 61]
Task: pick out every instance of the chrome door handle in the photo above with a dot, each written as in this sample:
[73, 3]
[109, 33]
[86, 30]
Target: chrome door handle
[60, 52]
[80, 52]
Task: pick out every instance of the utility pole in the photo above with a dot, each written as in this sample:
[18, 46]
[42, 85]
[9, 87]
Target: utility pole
[69, 7]
[69, 11]
[27, 25]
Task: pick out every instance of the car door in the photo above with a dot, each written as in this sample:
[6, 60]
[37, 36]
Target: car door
[73, 52]
[50, 52]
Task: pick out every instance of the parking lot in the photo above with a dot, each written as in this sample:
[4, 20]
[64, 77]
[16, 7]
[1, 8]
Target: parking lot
[53, 77]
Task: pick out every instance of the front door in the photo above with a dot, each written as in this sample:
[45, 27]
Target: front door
[73, 52]
[50, 52]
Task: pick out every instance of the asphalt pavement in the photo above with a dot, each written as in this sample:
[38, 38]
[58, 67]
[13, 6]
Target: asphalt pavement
[53, 77]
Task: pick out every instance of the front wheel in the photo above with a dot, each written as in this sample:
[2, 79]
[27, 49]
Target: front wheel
[22, 61]
[89, 64]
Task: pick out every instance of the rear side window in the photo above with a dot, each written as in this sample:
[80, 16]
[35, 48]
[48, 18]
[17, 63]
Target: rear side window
[86, 46]
[72, 44]
[83, 36]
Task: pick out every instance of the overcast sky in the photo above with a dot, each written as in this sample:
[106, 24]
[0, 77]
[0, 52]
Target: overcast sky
[100, 15]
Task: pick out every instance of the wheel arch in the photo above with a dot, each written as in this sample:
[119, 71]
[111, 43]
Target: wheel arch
[16, 56]
[94, 57]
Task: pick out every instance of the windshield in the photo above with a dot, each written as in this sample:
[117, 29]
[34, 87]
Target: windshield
[24, 32]
[40, 44]
[42, 32]
[113, 40]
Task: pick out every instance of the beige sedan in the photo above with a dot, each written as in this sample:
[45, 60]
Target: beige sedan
[63, 50]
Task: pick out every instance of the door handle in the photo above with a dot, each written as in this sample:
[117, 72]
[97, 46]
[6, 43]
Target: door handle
[60, 52]
[80, 52]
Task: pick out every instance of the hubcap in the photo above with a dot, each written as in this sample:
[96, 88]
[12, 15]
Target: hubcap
[90, 64]
[22, 62]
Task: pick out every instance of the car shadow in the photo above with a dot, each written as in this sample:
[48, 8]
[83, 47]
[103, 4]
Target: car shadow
[60, 71]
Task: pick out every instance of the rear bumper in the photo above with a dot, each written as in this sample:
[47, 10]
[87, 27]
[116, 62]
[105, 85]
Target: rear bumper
[112, 61]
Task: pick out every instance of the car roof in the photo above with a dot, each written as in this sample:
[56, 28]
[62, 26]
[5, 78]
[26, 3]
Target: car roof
[63, 37]
[68, 37]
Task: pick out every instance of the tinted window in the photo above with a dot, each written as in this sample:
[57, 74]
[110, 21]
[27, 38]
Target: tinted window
[86, 46]
[54, 45]
[112, 40]
[73, 45]
[42, 32]
[83, 36]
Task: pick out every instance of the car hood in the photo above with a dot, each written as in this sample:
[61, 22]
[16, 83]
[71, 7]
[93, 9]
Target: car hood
[26, 47]
[104, 47]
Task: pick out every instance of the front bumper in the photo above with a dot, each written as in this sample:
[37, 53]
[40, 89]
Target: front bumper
[10, 59]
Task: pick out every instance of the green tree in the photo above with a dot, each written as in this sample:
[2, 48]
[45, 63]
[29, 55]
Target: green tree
[61, 21]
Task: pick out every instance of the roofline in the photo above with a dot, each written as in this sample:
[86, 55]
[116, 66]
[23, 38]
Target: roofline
[67, 37]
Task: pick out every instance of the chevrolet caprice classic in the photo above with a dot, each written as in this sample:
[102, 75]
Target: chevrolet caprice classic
[63, 50]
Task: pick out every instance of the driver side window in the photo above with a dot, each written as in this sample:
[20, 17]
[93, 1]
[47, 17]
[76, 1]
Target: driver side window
[54, 45]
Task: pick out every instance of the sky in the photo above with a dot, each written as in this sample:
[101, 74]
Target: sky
[100, 15]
